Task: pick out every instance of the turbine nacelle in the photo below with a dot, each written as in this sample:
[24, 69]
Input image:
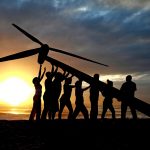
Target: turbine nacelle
[43, 52]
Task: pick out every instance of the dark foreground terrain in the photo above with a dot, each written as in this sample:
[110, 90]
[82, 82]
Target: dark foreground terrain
[77, 134]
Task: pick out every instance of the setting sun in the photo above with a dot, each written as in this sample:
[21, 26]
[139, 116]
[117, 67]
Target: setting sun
[15, 91]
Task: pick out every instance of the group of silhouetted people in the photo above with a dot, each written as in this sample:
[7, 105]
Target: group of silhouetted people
[55, 102]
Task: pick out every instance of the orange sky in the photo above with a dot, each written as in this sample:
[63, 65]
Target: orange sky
[90, 29]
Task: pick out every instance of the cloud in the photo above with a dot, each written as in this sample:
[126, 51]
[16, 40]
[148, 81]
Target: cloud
[114, 32]
[125, 3]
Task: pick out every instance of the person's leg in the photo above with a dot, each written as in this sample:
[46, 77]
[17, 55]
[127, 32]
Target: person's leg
[84, 112]
[133, 111]
[94, 110]
[76, 112]
[53, 115]
[45, 111]
[33, 112]
[69, 106]
[111, 108]
[104, 110]
[38, 110]
[123, 110]
[62, 105]
[49, 115]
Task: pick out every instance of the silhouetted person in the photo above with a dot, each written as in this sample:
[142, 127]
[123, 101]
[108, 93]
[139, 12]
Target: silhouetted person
[65, 98]
[48, 91]
[80, 101]
[56, 86]
[107, 103]
[36, 109]
[94, 96]
[128, 90]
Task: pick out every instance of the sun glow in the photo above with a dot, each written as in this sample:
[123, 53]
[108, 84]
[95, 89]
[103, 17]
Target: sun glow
[14, 91]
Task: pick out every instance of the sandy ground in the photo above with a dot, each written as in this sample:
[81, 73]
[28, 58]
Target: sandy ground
[75, 134]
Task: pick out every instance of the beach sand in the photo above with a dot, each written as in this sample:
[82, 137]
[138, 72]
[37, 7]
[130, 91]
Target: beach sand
[75, 134]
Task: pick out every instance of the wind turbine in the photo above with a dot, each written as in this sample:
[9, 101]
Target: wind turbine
[41, 51]
[42, 56]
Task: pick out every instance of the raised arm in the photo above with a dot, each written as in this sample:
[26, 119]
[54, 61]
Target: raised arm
[43, 73]
[41, 76]
[65, 75]
[52, 70]
[56, 70]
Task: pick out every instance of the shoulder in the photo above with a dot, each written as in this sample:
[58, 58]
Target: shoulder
[133, 83]
[124, 84]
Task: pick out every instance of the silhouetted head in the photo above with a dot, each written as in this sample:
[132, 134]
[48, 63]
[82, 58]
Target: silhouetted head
[68, 80]
[59, 76]
[128, 78]
[110, 83]
[78, 83]
[35, 80]
[48, 74]
[96, 76]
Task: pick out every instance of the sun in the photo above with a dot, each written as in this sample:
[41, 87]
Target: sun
[15, 91]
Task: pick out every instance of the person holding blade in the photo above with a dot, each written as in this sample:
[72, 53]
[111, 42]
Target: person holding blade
[80, 107]
[48, 92]
[36, 109]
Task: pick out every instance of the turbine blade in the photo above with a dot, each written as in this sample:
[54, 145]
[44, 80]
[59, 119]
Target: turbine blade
[77, 56]
[20, 55]
[28, 35]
